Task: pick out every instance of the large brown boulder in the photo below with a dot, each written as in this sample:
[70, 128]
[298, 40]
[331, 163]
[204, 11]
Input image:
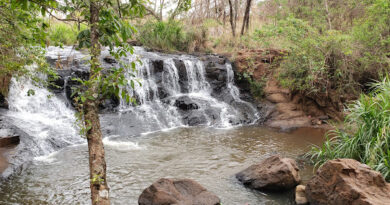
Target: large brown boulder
[346, 181]
[272, 174]
[177, 192]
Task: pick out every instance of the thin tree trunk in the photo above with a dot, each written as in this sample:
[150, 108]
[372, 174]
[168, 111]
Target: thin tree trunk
[235, 13]
[216, 9]
[97, 163]
[161, 9]
[232, 18]
[119, 8]
[224, 13]
[327, 14]
[245, 21]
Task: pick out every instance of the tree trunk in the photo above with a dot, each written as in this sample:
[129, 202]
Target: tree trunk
[161, 9]
[119, 8]
[327, 14]
[232, 18]
[97, 163]
[245, 21]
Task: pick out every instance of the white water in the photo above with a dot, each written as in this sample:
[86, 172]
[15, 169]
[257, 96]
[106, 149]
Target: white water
[42, 115]
[162, 112]
[50, 120]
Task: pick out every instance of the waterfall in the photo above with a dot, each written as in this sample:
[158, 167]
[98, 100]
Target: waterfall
[43, 115]
[173, 91]
[177, 92]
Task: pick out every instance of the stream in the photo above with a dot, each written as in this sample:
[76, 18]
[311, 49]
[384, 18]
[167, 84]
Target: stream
[190, 121]
[207, 155]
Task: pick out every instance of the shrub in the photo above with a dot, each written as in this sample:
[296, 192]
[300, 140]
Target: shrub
[170, 36]
[367, 134]
[63, 34]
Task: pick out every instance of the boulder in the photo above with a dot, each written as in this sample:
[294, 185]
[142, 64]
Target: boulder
[272, 174]
[109, 60]
[347, 181]
[300, 196]
[186, 103]
[177, 191]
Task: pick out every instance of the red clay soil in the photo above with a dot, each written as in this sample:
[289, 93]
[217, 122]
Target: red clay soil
[287, 109]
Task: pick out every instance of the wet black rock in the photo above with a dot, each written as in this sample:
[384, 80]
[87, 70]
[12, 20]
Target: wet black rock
[183, 77]
[194, 118]
[3, 102]
[186, 103]
[109, 60]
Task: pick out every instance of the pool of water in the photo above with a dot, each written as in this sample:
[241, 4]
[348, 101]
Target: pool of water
[208, 155]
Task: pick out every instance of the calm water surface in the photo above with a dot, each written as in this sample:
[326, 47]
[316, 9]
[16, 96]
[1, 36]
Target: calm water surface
[208, 155]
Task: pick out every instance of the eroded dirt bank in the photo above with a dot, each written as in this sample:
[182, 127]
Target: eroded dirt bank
[285, 108]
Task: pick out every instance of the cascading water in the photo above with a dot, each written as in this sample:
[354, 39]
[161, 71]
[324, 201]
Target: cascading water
[178, 91]
[173, 91]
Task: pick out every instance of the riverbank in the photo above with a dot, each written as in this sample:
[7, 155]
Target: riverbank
[257, 71]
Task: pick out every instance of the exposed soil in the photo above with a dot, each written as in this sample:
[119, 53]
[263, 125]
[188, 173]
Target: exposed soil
[285, 108]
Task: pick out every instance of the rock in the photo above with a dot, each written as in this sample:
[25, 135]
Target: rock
[177, 191]
[194, 118]
[186, 103]
[3, 102]
[158, 65]
[183, 77]
[109, 60]
[8, 137]
[56, 84]
[272, 174]
[300, 197]
[277, 98]
[347, 181]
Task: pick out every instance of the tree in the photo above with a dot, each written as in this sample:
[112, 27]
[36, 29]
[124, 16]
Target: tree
[245, 21]
[232, 19]
[106, 27]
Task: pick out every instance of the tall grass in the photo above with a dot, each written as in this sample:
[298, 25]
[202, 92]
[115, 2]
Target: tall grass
[171, 36]
[61, 33]
[367, 136]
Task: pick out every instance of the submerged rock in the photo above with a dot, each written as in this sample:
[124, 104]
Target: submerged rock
[300, 196]
[272, 174]
[347, 181]
[177, 191]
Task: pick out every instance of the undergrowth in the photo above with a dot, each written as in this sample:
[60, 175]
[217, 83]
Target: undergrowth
[367, 134]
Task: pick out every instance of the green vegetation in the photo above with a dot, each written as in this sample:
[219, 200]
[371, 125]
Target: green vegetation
[22, 37]
[367, 136]
[330, 55]
[171, 36]
[60, 33]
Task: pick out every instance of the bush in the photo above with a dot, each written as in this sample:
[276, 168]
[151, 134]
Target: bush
[367, 135]
[171, 36]
[316, 62]
[60, 34]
